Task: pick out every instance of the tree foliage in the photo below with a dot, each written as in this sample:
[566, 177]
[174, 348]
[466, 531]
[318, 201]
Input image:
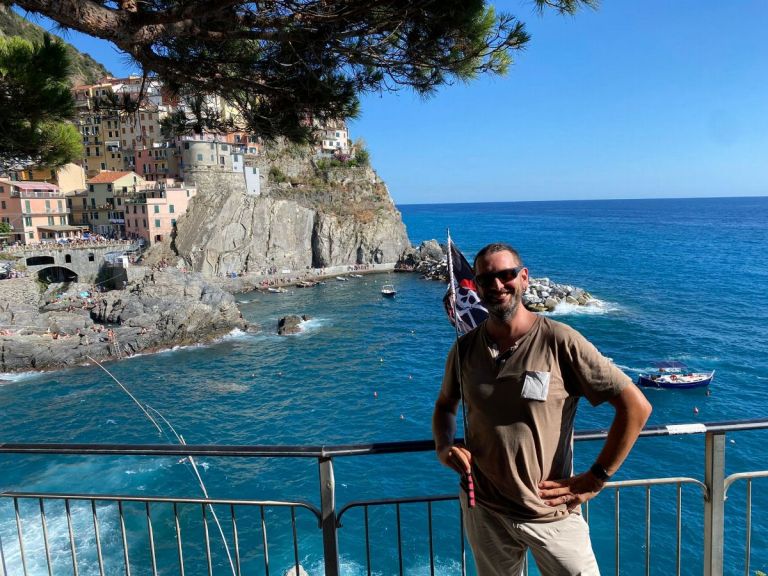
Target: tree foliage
[281, 62]
[36, 101]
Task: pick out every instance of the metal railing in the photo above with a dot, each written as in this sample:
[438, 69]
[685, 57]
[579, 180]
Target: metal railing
[30, 511]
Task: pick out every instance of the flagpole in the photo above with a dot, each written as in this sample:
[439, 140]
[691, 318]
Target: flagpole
[451, 278]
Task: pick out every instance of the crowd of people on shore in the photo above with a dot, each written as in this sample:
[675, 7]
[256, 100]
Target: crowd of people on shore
[63, 243]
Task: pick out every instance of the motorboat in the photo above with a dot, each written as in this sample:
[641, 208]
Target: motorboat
[388, 290]
[675, 375]
[341, 279]
[277, 290]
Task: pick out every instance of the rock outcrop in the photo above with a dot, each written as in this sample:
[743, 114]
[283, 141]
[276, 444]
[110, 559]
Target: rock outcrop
[305, 216]
[430, 260]
[166, 308]
[291, 324]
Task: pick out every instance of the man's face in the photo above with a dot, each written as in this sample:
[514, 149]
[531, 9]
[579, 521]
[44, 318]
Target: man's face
[502, 299]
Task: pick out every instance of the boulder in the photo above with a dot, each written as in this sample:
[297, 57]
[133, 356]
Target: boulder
[290, 324]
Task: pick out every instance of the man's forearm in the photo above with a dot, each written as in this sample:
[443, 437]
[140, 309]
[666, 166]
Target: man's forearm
[632, 411]
[443, 428]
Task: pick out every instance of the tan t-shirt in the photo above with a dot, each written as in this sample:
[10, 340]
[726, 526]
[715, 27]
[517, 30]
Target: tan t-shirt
[521, 408]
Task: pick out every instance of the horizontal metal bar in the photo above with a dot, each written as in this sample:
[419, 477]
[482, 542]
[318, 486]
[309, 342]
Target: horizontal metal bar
[657, 482]
[161, 499]
[339, 450]
[383, 501]
[743, 475]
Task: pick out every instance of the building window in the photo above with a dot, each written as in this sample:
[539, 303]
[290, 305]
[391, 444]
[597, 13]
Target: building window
[143, 210]
[47, 205]
[63, 220]
[27, 207]
[157, 209]
[91, 257]
[170, 208]
[145, 223]
[199, 157]
[27, 221]
[50, 220]
[68, 258]
[2, 204]
[157, 223]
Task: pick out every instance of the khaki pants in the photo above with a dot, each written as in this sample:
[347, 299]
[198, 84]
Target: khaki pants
[500, 545]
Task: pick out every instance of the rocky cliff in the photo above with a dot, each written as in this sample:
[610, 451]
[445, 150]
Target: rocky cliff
[63, 326]
[306, 215]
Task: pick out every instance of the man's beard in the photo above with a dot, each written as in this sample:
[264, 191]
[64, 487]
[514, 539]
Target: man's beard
[505, 311]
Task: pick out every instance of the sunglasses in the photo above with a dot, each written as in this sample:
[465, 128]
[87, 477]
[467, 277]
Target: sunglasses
[487, 279]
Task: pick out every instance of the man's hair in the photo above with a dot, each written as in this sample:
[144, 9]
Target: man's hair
[496, 247]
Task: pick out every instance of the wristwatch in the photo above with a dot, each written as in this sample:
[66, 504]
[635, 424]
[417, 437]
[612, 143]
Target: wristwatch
[599, 472]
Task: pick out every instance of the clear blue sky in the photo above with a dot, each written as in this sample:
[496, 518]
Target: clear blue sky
[659, 98]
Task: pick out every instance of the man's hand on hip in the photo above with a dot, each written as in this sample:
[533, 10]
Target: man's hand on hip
[456, 457]
[570, 491]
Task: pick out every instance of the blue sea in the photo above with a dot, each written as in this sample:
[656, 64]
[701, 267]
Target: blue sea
[679, 279]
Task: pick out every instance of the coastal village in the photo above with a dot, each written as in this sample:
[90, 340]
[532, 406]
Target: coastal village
[132, 183]
[127, 267]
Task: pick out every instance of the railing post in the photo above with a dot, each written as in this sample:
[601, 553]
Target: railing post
[328, 516]
[714, 505]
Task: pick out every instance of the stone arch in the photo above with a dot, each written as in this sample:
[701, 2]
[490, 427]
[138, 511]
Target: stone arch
[56, 274]
[40, 260]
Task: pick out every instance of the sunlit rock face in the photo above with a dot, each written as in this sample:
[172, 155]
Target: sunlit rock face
[303, 215]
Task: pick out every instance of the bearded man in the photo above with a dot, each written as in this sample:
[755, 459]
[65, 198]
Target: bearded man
[522, 376]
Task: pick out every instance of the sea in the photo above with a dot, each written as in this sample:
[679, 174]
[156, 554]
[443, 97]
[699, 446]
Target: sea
[676, 279]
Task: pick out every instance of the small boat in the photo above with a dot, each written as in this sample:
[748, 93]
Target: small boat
[341, 278]
[278, 290]
[356, 275]
[675, 375]
[388, 290]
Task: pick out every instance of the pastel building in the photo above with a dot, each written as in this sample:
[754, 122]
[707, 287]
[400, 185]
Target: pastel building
[37, 211]
[100, 128]
[69, 178]
[153, 212]
[159, 162]
[102, 206]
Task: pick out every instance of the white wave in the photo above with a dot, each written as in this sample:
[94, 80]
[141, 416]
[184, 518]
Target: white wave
[234, 334]
[12, 377]
[314, 323]
[227, 387]
[594, 307]
[58, 538]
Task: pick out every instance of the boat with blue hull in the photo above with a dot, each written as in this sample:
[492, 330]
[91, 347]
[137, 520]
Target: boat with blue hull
[675, 375]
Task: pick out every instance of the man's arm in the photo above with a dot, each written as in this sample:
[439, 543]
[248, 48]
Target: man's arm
[632, 412]
[444, 432]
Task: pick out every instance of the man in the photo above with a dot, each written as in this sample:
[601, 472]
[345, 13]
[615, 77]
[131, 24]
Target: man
[522, 376]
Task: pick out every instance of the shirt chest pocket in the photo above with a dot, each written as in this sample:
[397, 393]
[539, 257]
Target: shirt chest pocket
[535, 385]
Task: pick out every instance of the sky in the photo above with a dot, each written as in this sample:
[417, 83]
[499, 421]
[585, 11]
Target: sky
[636, 99]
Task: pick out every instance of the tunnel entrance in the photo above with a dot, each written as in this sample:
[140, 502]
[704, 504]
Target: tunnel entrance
[56, 274]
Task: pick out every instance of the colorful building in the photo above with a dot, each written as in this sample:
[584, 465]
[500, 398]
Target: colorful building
[152, 213]
[37, 212]
[102, 206]
[69, 178]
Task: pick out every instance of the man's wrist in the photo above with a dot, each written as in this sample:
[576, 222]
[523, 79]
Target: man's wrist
[599, 472]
